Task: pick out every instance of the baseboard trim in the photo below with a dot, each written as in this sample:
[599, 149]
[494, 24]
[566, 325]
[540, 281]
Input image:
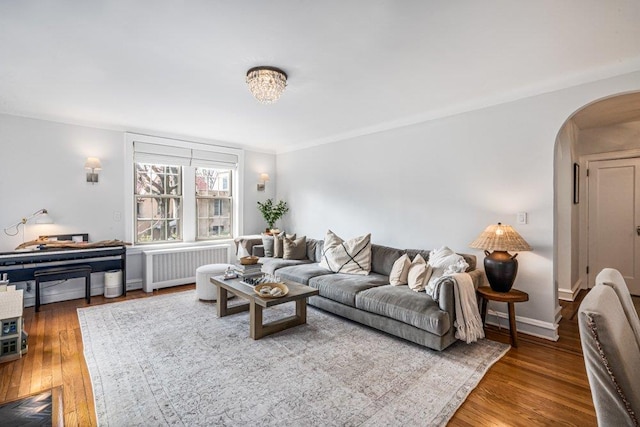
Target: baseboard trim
[570, 294]
[525, 325]
[70, 294]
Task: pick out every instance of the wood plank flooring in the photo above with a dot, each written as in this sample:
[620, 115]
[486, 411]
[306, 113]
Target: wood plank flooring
[539, 383]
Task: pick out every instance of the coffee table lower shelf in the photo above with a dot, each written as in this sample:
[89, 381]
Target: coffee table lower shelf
[256, 304]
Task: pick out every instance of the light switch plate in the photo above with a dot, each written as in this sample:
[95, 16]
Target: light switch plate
[521, 218]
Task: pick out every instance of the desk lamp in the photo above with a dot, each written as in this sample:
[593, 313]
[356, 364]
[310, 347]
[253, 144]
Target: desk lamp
[500, 266]
[42, 217]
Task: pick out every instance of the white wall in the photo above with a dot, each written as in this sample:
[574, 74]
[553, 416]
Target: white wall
[42, 166]
[442, 182]
[255, 164]
[567, 213]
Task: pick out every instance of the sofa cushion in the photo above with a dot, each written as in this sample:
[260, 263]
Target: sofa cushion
[350, 257]
[444, 262]
[402, 304]
[419, 273]
[301, 273]
[312, 247]
[470, 259]
[294, 248]
[400, 271]
[383, 257]
[319, 249]
[267, 242]
[270, 265]
[343, 288]
[278, 243]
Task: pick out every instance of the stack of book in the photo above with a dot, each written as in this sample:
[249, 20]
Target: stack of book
[246, 271]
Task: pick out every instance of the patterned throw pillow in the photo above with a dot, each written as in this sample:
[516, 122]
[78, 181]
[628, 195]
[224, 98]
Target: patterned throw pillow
[419, 273]
[350, 257]
[400, 271]
[295, 248]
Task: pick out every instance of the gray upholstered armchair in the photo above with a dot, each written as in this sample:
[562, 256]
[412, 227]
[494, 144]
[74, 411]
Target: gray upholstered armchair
[612, 358]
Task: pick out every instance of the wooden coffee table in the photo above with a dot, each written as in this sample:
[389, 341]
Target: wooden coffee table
[297, 292]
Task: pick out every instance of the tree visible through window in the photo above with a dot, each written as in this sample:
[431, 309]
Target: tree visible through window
[213, 203]
[158, 196]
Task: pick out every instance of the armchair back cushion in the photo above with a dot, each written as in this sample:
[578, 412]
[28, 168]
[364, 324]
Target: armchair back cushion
[611, 356]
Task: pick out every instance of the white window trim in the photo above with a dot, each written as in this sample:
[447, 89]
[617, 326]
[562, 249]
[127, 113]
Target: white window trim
[189, 190]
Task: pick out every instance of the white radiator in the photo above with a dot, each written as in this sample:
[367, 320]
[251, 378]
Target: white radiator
[177, 266]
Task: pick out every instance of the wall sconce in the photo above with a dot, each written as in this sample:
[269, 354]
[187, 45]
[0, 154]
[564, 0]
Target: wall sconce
[93, 164]
[264, 177]
[42, 217]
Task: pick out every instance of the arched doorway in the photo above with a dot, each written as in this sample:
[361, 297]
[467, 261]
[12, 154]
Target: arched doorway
[608, 128]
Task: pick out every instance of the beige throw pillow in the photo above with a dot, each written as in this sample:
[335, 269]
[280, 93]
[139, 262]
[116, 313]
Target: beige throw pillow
[400, 271]
[419, 273]
[350, 257]
[295, 248]
[278, 247]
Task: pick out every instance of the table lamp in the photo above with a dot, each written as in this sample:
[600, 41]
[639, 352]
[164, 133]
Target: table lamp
[500, 266]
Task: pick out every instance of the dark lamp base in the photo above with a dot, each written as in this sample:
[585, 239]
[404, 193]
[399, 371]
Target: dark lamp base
[501, 269]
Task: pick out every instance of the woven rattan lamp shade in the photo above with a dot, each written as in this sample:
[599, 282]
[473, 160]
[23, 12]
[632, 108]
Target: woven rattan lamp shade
[500, 237]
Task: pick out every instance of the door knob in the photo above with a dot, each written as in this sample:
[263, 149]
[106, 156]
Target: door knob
[638, 230]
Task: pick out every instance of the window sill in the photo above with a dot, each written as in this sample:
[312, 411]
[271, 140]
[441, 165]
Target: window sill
[134, 249]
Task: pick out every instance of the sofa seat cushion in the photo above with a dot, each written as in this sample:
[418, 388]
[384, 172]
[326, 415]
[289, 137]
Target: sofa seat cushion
[343, 288]
[301, 273]
[401, 303]
[270, 265]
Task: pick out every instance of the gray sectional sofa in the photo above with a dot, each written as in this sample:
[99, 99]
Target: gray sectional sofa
[371, 300]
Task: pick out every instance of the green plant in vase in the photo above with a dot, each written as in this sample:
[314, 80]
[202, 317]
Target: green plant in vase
[272, 212]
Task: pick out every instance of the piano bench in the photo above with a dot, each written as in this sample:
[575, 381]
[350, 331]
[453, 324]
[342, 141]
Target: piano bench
[63, 273]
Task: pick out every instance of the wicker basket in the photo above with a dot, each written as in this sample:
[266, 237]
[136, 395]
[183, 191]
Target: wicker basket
[249, 260]
[281, 286]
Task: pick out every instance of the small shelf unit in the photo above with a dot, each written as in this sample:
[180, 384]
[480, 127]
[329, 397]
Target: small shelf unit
[13, 339]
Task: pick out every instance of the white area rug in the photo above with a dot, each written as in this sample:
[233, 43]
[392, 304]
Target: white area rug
[168, 360]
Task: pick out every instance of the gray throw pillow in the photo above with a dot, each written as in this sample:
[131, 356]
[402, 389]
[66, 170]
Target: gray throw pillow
[267, 242]
[295, 249]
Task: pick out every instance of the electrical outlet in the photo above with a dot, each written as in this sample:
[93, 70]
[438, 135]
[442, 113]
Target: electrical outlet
[521, 218]
[117, 216]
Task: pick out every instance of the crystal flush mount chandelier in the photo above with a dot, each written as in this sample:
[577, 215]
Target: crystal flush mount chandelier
[266, 83]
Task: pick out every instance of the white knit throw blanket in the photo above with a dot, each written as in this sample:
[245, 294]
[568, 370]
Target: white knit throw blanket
[468, 323]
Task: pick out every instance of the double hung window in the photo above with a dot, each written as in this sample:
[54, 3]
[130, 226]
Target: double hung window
[214, 203]
[182, 191]
[158, 193]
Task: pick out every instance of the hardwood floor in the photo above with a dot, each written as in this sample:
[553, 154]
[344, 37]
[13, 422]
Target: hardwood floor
[539, 383]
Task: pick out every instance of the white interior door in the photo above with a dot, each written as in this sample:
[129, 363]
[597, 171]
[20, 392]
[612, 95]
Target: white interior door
[614, 236]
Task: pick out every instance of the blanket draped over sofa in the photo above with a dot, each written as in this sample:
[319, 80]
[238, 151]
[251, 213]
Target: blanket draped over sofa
[435, 322]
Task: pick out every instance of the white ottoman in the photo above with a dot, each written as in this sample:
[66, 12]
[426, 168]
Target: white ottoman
[205, 290]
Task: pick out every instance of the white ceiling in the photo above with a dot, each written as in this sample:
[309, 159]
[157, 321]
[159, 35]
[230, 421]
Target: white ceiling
[359, 66]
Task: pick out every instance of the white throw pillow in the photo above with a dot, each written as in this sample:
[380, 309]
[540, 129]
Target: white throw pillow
[419, 273]
[444, 262]
[350, 257]
[400, 271]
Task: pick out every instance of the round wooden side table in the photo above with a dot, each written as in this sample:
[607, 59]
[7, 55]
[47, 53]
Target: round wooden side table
[511, 297]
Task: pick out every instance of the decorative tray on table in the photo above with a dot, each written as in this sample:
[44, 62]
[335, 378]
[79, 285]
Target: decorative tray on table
[271, 290]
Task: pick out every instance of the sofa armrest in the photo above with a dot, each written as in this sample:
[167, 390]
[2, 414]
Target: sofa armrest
[446, 297]
[258, 250]
[478, 278]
